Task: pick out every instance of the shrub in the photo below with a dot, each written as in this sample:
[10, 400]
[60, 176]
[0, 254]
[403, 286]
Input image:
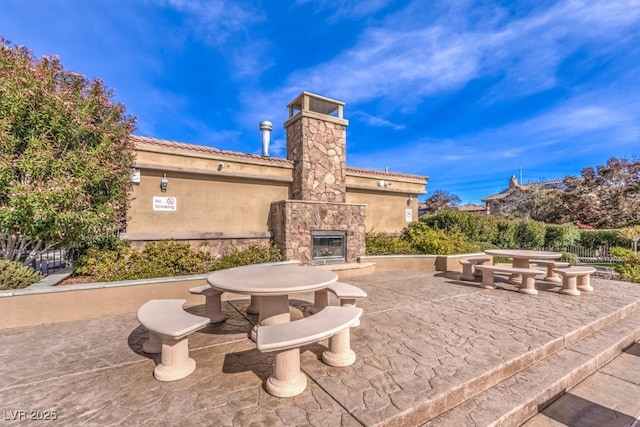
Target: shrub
[530, 234]
[594, 239]
[436, 242]
[165, 258]
[253, 254]
[14, 275]
[506, 236]
[630, 269]
[560, 237]
[385, 244]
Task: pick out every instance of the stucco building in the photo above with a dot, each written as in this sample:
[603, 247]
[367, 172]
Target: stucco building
[310, 204]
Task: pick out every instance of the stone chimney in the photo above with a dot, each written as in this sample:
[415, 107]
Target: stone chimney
[316, 142]
[317, 226]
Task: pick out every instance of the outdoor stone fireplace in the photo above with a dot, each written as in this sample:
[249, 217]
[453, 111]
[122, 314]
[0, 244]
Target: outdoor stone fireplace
[328, 247]
[315, 225]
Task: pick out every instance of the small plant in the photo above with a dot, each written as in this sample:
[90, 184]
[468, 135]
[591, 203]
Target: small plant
[14, 275]
[379, 243]
[253, 254]
[630, 269]
[165, 258]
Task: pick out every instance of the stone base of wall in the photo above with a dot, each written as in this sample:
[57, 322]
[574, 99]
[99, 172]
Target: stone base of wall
[293, 220]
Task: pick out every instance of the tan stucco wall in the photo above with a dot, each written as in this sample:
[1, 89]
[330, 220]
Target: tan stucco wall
[228, 196]
[205, 204]
[32, 309]
[385, 212]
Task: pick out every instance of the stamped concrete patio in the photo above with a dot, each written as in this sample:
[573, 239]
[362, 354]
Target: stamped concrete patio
[432, 350]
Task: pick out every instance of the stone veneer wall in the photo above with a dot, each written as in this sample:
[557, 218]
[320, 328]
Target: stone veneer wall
[318, 149]
[292, 222]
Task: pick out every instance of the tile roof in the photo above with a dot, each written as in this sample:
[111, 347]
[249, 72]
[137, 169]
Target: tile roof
[181, 146]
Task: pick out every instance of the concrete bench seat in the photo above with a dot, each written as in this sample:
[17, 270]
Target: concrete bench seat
[528, 285]
[550, 264]
[212, 304]
[575, 279]
[332, 322]
[169, 327]
[346, 293]
[468, 272]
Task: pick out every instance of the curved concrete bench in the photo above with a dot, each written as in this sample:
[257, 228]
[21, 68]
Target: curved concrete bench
[348, 294]
[550, 264]
[212, 302]
[169, 327]
[468, 272]
[528, 285]
[332, 322]
[575, 279]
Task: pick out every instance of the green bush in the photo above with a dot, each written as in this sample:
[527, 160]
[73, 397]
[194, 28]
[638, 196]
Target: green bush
[14, 275]
[428, 241]
[378, 243]
[594, 239]
[560, 237]
[476, 228]
[630, 269]
[165, 258]
[506, 236]
[530, 234]
[569, 257]
[253, 254]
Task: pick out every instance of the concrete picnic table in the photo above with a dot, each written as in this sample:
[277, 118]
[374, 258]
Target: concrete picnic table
[521, 258]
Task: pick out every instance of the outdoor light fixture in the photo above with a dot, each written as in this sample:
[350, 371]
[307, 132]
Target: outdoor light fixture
[164, 183]
[220, 166]
[410, 199]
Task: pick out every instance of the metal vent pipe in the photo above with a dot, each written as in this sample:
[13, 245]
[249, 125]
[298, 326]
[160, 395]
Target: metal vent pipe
[266, 127]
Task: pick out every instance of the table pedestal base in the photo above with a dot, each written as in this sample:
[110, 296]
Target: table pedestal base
[254, 305]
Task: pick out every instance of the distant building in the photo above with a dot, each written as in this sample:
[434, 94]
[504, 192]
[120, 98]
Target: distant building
[495, 203]
[473, 209]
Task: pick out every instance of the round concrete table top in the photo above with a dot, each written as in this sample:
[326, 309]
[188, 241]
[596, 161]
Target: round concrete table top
[271, 280]
[523, 253]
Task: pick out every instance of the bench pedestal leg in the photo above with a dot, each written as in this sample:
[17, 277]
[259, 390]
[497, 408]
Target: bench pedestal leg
[213, 308]
[339, 353]
[153, 345]
[528, 286]
[569, 285]
[584, 283]
[320, 300]
[176, 363]
[254, 305]
[350, 302]
[287, 380]
[487, 280]
[552, 276]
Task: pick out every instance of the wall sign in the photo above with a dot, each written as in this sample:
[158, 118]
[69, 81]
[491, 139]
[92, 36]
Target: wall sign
[165, 203]
[408, 215]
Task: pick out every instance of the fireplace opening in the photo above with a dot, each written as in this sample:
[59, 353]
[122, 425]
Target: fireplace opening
[328, 247]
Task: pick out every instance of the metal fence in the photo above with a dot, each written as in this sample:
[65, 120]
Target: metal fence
[600, 254]
[48, 262]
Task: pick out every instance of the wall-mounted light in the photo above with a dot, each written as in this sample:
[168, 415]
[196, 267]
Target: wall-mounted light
[409, 199]
[164, 183]
[220, 166]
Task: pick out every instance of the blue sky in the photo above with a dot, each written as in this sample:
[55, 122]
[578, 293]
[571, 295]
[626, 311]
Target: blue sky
[465, 92]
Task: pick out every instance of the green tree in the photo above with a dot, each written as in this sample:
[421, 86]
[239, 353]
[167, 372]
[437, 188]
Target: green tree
[65, 154]
[631, 233]
[439, 200]
[606, 196]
